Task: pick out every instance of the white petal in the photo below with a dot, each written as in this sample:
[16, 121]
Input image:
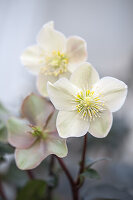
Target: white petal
[62, 94]
[70, 124]
[84, 76]
[65, 75]
[100, 126]
[76, 50]
[50, 39]
[42, 82]
[32, 58]
[114, 92]
[31, 157]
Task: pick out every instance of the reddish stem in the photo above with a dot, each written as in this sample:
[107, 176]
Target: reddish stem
[51, 173]
[2, 194]
[30, 174]
[72, 183]
[82, 164]
[66, 170]
[83, 155]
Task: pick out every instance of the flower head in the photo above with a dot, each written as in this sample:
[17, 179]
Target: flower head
[85, 102]
[54, 56]
[36, 137]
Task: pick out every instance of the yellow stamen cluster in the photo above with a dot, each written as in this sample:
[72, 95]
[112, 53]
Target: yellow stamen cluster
[55, 64]
[89, 105]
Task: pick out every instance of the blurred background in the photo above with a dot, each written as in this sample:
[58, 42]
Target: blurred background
[107, 27]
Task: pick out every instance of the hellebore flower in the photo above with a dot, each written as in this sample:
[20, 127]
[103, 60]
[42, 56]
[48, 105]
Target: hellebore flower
[85, 102]
[36, 138]
[54, 56]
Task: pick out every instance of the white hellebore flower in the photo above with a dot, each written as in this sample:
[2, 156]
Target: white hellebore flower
[54, 56]
[85, 102]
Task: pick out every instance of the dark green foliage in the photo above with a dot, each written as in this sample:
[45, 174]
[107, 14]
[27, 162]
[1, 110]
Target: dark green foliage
[34, 190]
[5, 149]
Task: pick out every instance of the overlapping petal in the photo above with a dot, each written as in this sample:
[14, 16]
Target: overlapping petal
[19, 133]
[113, 91]
[42, 82]
[62, 94]
[84, 76]
[76, 50]
[51, 124]
[57, 145]
[36, 109]
[50, 39]
[100, 126]
[70, 124]
[33, 59]
[31, 157]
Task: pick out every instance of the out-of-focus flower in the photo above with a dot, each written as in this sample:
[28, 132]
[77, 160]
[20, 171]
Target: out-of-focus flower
[54, 56]
[86, 102]
[36, 138]
[4, 115]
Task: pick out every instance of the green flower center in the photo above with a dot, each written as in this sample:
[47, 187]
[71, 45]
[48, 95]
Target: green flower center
[38, 132]
[89, 105]
[56, 64]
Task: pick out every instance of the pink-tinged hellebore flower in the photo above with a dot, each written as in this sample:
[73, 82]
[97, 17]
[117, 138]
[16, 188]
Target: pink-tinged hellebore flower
[85, 102]
[54, 56]
[35, 138]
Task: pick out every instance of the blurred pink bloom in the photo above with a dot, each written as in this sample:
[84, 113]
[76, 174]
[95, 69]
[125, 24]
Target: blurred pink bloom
[36, 137]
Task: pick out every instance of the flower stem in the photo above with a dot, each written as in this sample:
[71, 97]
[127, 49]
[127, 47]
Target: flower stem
[30, 174]
[75, 186]
[82, 164]
[72, 183]
[2, 194]
[51, 173]
[66, 170]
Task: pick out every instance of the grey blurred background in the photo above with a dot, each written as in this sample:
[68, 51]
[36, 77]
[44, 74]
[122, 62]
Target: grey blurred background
[107, 27]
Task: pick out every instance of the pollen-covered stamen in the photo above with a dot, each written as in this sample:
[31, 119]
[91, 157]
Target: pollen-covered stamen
[89, 105]
[56, 64]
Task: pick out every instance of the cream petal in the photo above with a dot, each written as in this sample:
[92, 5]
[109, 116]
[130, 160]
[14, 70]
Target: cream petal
[62, 94]
[19, 133]
[70, 124]
[76, 50]
[72, 67]
[100, 126]
[65, 75]
[31, 157]
[50, 39]
[36, 109]
[113, 91]
[33, 59]
[57, 145]
[42, 83]
[84, 76]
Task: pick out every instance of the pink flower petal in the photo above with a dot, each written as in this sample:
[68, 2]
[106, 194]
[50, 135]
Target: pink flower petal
[31, 157]
[36, 109]
[18, 133]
